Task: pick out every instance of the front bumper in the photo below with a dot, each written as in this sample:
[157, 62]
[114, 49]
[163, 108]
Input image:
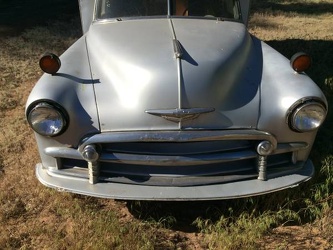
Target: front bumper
[230, 190]
[177, 165]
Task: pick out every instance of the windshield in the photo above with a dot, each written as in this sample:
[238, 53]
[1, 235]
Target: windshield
[195, 8]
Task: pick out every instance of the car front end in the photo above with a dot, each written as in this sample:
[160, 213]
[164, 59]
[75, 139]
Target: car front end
[173, 108]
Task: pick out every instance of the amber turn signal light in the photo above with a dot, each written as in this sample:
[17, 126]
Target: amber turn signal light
[300, 62]
[50, 63]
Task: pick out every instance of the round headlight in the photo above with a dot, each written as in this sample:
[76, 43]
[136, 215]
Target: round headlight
[46, 119]
[308, 116]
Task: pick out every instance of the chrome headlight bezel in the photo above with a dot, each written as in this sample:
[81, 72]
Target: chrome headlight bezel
[47, 118]
[307, 116]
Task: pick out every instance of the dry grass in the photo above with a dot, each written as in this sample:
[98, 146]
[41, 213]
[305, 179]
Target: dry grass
[35, 217]
[282, 27]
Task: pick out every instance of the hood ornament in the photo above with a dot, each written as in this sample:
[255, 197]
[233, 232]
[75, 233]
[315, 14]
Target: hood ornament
[178, 115]
[177, 47]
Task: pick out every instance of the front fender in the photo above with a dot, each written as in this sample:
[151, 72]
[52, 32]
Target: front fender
[72, 88]
[282, 88]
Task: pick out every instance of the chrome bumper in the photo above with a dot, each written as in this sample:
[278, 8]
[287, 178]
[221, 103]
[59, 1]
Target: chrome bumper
[230, 190]
[177, 165]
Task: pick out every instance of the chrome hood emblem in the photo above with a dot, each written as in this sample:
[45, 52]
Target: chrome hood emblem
[178, 115]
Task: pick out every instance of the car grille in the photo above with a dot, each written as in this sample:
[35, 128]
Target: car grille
[176, 163]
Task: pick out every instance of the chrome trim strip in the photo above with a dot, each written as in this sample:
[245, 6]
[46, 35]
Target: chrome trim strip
[178, 136]
[61, 152]
[121, 174]
[290, 147]
[174, 161]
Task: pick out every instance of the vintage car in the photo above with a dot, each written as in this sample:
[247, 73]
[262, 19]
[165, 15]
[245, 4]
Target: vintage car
[173, 100]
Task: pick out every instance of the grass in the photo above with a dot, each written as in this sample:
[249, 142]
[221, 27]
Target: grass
[241, 231]
[33, 216]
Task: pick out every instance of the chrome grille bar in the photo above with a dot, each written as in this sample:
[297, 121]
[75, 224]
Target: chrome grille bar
[179, 136]
[223, 149]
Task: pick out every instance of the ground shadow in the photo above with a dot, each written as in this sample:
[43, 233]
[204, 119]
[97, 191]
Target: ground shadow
[178, 215]
[183, 215]
[299, 8]
[16, 16]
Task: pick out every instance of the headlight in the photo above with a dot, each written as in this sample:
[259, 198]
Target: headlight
[307, 116]
[46, 119]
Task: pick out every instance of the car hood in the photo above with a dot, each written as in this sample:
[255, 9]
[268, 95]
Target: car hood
[167, 74]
